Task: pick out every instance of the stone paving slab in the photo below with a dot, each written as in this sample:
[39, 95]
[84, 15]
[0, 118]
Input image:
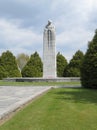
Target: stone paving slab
[12, 97]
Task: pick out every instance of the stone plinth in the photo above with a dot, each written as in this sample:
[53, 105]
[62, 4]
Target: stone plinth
[27, 79]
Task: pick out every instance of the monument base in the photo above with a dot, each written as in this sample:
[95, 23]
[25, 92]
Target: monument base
[27, 79]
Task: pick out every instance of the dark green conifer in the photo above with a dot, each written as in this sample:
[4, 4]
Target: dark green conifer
[34, 67]
[89, 66]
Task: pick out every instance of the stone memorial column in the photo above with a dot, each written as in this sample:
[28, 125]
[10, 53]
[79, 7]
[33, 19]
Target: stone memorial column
[49, 51]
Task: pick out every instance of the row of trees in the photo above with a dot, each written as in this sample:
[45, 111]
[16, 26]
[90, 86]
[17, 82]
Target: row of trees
[84, 66]
[25, 66]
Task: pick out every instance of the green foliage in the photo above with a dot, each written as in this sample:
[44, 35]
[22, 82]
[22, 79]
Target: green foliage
[3, 73]
[22, 59]
[73, 68]
[8, 62]
[61, 65]
[34, 67]
[73, 72]
[89, 66]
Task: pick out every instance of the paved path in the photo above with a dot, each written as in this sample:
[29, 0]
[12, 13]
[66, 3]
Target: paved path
[11, 98]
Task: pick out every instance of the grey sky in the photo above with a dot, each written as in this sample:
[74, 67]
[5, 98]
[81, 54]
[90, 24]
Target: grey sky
[22, 23]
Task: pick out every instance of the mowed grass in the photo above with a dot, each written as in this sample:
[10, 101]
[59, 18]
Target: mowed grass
[59, 109]
[9, 83]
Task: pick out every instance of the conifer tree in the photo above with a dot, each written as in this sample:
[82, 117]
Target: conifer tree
[34, 67]
[89, 66]
[61, 64]
[8, 62]
[74, 66]
[3, 73]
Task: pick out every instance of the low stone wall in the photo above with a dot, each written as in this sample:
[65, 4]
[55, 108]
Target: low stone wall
[63, 79]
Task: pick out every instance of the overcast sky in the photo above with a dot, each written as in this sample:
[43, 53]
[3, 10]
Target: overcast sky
[22, 23]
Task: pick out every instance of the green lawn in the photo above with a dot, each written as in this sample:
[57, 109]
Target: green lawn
[8, 83]
[59, 109]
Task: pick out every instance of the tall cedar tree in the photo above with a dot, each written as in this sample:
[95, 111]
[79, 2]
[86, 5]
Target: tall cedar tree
[61, 64]
[34, 67]
[74, 66]
[89, 66]
[8, 62]
[3, 73]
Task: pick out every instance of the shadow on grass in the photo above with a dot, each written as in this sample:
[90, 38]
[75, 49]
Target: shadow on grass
[78, 95]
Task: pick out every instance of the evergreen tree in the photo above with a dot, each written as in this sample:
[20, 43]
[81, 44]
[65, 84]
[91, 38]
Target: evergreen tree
[3, 73]
[34, 67]
[61, 64]
[9, 64]
[74, 66]
[89, 66]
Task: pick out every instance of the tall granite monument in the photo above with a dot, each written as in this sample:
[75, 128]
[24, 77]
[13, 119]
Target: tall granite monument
[49, 51]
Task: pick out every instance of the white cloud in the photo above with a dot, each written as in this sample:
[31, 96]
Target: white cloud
[75, 23]
[16, 38]
[72, 40]
[78, 37]
[74, 26]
